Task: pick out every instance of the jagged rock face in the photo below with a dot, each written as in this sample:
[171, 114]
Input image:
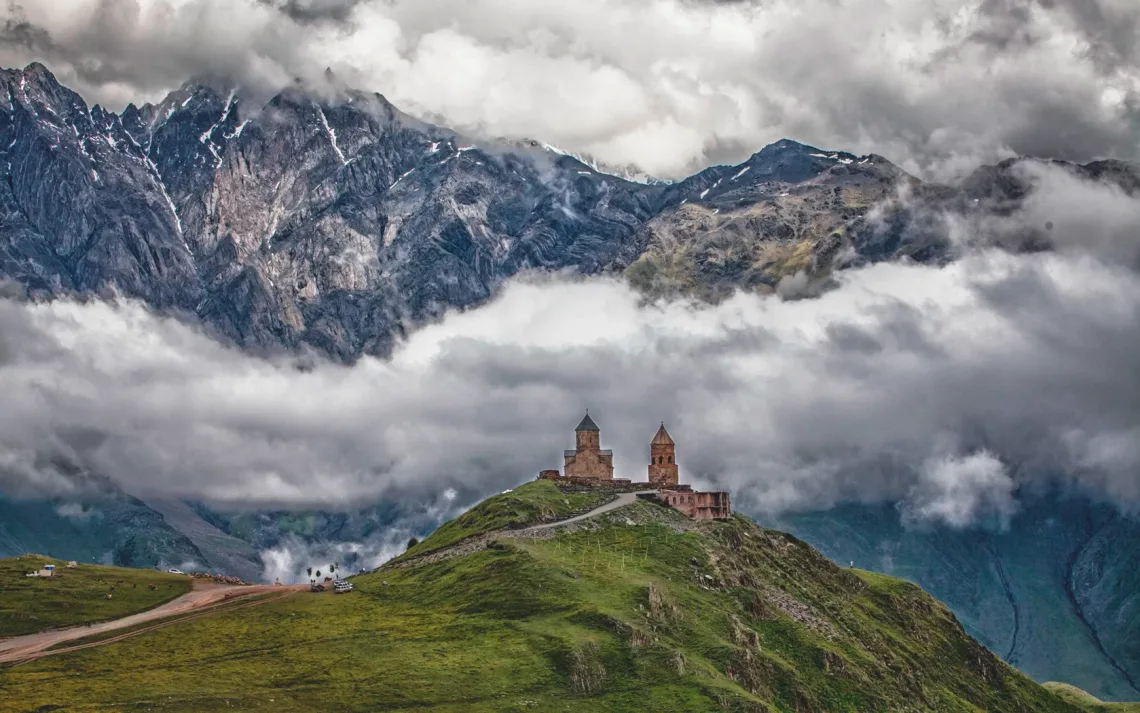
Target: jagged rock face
[787, 209]
[83, 207]
[340, 223]
[336, 223]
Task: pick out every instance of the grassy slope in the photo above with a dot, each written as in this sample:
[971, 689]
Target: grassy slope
[612, 617]
[539, 501]
[1090, 703]
[77, 596]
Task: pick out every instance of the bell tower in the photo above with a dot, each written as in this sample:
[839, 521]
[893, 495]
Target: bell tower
[663, 459]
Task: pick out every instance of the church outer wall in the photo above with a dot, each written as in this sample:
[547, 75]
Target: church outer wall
[593, 465]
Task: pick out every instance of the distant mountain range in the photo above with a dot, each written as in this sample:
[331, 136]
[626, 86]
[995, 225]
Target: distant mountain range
[328, 220]
[339, 224]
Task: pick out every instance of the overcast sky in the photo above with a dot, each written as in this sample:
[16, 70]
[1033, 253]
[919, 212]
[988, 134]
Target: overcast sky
[666, 85]
[948, 389]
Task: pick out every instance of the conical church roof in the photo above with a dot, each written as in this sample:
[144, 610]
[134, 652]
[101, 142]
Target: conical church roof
[587, 424]
[662, 438]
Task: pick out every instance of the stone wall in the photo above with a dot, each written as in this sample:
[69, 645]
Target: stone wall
[663, 474]
[594, 484]
[588, 440]
[595, 464]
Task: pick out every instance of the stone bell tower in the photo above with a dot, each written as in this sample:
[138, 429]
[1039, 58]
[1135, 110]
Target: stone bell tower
[663, 459]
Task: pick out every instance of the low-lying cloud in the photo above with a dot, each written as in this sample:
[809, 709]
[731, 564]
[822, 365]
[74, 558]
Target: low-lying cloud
[950, 389]
[954, 490]
[666, 85]
[289, 561]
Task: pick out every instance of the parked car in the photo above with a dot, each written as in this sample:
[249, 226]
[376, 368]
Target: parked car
[175, 571]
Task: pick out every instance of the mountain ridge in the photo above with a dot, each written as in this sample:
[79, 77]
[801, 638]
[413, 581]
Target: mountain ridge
[339, 224]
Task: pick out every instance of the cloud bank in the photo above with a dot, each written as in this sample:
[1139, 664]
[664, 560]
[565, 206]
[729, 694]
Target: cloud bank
[950, 389]
[667, 86]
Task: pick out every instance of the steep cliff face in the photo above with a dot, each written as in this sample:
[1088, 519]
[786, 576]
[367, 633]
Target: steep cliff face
[83, 207]
[790, 209]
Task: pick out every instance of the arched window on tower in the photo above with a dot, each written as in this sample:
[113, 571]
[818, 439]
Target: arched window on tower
[670, 459]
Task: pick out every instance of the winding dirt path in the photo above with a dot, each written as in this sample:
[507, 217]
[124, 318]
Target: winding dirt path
[479, 542]
[618, 502]
[200, 601]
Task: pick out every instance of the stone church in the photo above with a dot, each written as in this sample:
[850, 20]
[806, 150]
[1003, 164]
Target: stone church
[589, 465]
[588, 460]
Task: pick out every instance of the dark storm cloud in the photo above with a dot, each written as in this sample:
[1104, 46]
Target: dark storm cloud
[19, 34]
[665, 85]
[306, 11]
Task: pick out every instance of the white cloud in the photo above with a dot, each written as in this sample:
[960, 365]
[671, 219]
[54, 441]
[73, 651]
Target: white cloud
[956, 491]
[667, 85]
[77, 511]
[289, 561]
[796, 404]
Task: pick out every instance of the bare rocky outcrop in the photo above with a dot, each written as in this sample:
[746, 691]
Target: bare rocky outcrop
[587, 673]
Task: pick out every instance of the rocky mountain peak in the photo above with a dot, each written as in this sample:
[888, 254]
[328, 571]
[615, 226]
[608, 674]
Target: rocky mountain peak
[327, 217]
[36, 89]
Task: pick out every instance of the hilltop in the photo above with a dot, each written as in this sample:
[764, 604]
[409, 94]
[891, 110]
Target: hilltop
[636, 609]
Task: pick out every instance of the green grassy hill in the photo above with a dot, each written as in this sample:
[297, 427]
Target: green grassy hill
[637, 610]
[1088, 702]
[537, 502]
[1057, 594]
[77, 596]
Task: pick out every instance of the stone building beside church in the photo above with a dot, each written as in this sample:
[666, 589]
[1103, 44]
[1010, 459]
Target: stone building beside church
[589, 465]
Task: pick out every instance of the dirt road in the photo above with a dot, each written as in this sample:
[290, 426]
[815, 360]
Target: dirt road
[479, 542]
[619, 502]
[201, 599]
